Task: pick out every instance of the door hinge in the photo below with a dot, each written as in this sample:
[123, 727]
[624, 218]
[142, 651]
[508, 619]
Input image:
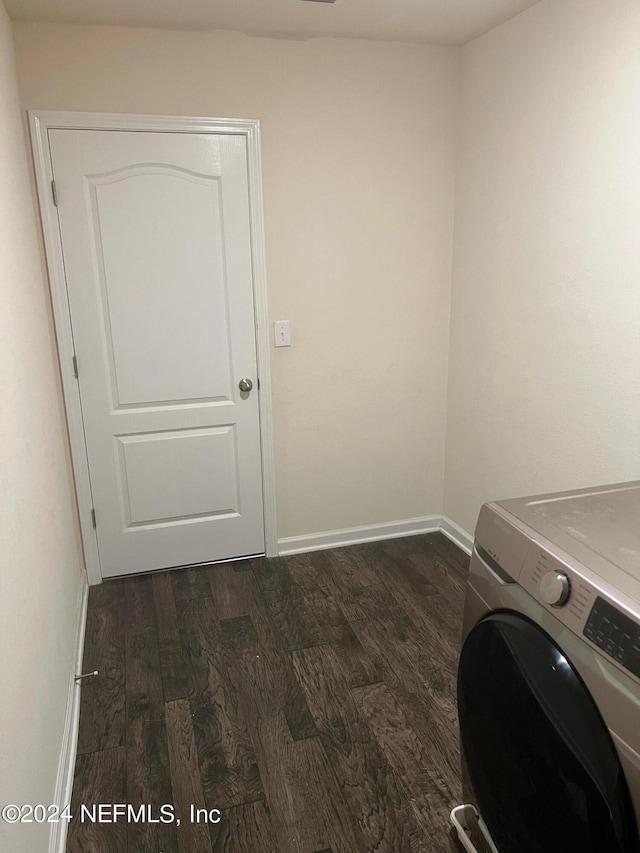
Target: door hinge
[54, 193]
[75, 367]
[93, 518]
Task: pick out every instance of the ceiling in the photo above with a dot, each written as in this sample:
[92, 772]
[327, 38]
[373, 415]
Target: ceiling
[427, 21]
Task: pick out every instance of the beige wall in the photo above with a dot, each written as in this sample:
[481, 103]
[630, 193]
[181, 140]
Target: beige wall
[39, 555]
[358, 159]
[544, 387]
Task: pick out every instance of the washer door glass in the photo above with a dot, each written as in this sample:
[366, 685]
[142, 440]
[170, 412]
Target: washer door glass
[541, 762]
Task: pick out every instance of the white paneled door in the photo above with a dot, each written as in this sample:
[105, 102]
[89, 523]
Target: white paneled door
[156, 241]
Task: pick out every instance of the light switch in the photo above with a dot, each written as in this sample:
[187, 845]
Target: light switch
[282, 333]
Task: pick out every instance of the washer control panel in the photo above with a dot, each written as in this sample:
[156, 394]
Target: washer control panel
[558, 587]
[615, 633]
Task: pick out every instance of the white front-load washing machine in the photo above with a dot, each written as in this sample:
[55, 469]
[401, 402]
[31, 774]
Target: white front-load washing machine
[549, 676]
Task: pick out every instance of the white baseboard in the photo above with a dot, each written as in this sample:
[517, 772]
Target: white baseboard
[356, 535]
[64, 781]
[374, 533]
[457, 535]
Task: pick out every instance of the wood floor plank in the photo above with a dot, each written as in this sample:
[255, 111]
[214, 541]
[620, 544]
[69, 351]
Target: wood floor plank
[437, 620]
[359, 665]
[352, 575]
[306, 805]
[318, 598]
[190, 583]
[148, 771]
[173, 666]
[102, 710]
[143, 679]
[455, 557]
[423, 559]
[414, 767]
[430, 563]
[230, 590]
[424, 681]
[332, 625]
[440, 738]
[100, 777]
[244, 829]
[360, 602]
[450, 599]
[337, 719]
[148, 783]
[439, 570]
[383, 816]
[416, 583]
[353, 567]
[229, 770]
[228, 766]
[294, 621]
[420, 664]
[286, 691]
[431, 613]
[139, 607]
[294, 705]
[185, 778]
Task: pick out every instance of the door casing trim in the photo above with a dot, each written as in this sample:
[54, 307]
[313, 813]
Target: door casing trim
[40, 122]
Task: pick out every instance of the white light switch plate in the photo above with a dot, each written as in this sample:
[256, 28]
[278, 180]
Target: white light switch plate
[282, 333]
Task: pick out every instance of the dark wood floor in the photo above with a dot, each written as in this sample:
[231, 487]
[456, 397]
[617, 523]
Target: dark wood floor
[311, 699]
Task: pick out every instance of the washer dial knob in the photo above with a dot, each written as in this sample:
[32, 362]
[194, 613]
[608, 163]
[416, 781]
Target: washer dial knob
[555, 588]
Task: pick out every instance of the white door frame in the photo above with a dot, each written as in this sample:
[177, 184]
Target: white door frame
[40, 122]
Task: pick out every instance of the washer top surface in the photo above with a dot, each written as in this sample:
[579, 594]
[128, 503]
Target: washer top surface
[600, 527]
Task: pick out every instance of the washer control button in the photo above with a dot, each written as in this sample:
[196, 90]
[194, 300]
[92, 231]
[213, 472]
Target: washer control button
[555, 588]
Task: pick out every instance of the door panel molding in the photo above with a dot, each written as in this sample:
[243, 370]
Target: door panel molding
[40, 123]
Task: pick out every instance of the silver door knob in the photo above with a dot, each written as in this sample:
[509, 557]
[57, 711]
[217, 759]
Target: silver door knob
[245, 385]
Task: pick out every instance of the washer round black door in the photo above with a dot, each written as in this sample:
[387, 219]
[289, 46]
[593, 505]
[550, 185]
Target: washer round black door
[543, 767]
